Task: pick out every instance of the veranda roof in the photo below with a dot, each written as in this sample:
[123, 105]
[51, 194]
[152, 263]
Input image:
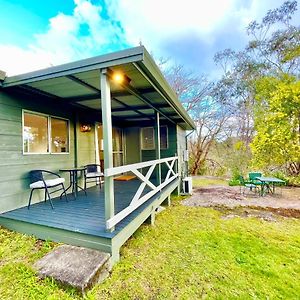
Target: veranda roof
[78, 83]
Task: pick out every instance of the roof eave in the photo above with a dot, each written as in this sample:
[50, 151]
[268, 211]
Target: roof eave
[99, 62]
[137, 55]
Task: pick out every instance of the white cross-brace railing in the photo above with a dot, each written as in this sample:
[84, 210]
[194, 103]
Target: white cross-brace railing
[138, 199]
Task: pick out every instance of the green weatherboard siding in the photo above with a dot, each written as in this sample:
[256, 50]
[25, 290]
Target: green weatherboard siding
[14, 166]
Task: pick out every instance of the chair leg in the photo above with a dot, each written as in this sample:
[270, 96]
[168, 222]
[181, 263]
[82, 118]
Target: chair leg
[64, 192]
[29, 202]
[45, 197]
[49, 198]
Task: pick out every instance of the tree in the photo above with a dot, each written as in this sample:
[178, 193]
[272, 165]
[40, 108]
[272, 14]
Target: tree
[277, 122]
[273, 51]
[205, 105]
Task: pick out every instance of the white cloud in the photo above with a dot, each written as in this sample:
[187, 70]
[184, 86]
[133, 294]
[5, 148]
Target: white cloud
[16, 60]
[152, 21]
[63, 41]
[155, 21]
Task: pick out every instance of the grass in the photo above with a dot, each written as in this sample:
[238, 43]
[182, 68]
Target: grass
[203, 181]
[191, 253]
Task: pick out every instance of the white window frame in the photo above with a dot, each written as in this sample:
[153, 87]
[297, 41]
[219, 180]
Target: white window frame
[153, 128]
[49, 133]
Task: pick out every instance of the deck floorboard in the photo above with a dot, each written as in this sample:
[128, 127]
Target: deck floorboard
[84, 214]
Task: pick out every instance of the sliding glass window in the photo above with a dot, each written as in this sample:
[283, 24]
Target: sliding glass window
[59, 135]
[35, 133]
[44, 134]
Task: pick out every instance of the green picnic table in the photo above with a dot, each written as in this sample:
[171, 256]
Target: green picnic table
[268, 184]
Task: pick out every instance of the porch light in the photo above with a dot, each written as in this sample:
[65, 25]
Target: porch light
[85, 127]
[118, 77]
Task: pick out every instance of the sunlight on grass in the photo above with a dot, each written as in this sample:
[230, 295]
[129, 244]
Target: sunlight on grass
[199, 181]
[190, 253]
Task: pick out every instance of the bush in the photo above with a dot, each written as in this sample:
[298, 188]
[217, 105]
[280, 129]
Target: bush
[234, 182]
[293, 181]
[235, 178]
[236, 173]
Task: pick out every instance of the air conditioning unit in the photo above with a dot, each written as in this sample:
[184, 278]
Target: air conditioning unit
[187, 186]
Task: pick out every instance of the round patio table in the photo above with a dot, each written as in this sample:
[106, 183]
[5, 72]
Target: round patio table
[74, 179]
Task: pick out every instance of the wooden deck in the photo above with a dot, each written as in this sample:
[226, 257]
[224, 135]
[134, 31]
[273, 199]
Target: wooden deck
[81, 221]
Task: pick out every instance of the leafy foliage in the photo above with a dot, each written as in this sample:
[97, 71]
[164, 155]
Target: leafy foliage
[262, 80]
[277, 119]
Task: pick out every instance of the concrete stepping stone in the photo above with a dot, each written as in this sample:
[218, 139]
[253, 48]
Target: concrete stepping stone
[75, 266]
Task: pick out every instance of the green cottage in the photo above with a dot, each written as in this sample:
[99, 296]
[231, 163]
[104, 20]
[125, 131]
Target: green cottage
[114, 110]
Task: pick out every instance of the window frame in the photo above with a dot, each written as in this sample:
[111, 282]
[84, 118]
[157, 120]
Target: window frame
[49, 133]
[154, 144]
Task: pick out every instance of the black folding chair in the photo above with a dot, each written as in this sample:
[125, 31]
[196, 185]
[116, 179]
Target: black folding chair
[43, 179]
[92, 173]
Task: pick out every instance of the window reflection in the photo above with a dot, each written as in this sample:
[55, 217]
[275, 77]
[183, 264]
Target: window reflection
[35, 133]
[59, 136]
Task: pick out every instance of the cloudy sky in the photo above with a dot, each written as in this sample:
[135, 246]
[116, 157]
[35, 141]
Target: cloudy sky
[37, 34]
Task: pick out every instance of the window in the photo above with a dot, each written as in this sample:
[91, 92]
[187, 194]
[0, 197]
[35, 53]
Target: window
[164, 137]
[59, 135]
[35, 133]
[44, 134]
[147, 136]
[148, 139]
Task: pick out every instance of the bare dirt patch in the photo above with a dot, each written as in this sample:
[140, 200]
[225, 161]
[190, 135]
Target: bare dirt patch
[230, 200]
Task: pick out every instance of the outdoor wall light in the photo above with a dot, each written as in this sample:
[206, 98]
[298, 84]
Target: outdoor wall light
[85, 127]
[118, 77]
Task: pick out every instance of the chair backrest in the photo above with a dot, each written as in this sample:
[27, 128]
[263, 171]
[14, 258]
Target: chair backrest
[92, 168]
[35, 175]
[253, 175]
[242, 180]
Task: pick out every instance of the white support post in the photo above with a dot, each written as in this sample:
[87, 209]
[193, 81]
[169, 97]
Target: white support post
[107, 144]
[157, 147]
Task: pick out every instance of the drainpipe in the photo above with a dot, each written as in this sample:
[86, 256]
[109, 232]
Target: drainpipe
[186, 143]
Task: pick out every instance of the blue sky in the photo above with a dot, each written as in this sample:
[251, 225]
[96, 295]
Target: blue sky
[36, 34]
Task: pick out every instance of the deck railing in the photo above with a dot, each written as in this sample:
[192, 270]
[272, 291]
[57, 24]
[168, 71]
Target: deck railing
[138, 199]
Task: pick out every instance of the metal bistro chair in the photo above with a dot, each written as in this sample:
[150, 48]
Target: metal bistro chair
[92, 173]
[253, 176]
[248, 185]
[38, 182]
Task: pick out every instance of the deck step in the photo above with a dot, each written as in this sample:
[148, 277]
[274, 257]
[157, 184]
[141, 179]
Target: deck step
[75, 266]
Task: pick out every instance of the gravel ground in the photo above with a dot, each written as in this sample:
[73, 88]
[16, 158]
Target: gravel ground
[285, 202]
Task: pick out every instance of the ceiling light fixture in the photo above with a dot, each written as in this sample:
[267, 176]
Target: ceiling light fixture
[118, 77]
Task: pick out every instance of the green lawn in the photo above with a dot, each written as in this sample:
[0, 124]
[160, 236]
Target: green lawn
[190, 253]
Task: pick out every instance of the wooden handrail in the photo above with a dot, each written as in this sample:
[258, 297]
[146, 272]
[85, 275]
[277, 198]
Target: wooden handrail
[127, 168]
[138, 199]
